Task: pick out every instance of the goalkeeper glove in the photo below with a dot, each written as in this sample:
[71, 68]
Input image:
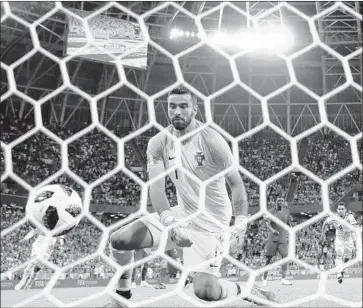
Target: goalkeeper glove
[238, 235]
[179, 234]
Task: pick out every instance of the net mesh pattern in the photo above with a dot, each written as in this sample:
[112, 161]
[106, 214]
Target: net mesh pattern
[12, 89]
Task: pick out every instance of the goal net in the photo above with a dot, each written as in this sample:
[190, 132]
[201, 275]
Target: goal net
[103, 152]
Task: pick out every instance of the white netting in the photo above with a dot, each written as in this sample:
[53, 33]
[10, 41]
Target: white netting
[12, 89]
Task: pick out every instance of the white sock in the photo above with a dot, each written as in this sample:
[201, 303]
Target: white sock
[339, 264]
[230, 289]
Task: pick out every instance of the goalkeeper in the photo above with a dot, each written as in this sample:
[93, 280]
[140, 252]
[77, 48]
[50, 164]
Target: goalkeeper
[204, 154]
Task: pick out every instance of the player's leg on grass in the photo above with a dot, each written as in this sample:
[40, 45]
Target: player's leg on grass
[144, 283]
[339, 250]
[29, 275]
[207, 284]
[123, 242]
[133, 278]
[208, 287]
[348, 251]
[283, 250]
[163, 276]
[173, 271]
[271, 250]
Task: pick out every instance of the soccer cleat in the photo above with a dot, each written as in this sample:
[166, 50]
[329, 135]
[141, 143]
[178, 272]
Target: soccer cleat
[264, 294]
[115, 303]
[285, 282]
[19, 286]
[264, 283]
[340, 277]
[160, 286]
[133, 285]
[145, 284]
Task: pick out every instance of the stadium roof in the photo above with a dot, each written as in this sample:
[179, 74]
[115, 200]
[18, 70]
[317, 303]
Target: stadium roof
[204, 68]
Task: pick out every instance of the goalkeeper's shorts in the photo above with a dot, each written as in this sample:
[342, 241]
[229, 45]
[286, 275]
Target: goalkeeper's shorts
[201, 256]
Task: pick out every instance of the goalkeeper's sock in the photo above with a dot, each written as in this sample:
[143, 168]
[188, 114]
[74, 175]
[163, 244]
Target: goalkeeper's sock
[123, 258]
[230, 289]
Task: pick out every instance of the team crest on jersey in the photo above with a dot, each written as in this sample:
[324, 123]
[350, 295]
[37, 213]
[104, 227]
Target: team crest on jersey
[199, 157]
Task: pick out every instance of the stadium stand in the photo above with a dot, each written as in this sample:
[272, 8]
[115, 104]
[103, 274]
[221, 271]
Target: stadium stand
[91, 155]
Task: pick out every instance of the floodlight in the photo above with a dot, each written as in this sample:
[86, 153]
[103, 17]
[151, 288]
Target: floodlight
[174, 33]
[276, 38]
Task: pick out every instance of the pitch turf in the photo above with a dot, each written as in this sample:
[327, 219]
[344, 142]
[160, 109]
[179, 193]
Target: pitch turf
[350, 290]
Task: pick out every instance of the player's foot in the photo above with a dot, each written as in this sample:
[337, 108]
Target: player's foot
[145, 284]
[285, 282]
[264, 294]
[115, 303]
[264, 283]
[133, 285]
[19, 286]
[340, 277]
[160, 286]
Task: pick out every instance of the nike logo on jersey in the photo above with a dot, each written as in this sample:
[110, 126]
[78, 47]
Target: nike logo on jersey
[171, 158]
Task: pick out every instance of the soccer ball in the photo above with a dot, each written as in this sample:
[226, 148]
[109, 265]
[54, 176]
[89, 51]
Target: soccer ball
[55, 207]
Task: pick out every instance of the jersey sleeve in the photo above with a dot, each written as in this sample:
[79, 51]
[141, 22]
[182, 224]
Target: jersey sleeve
[154, 154]
[220, 151]
[352, 220]
[329, 220]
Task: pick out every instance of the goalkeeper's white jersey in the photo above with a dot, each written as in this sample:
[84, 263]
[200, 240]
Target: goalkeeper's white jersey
[205, 154]
[342, 233]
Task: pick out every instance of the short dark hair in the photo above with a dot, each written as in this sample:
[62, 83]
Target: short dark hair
[342, 203]
[181, 90]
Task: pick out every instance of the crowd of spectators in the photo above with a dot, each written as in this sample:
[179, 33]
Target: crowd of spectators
[309, 247]
[94, 154]
[265, 153]
[327, 154]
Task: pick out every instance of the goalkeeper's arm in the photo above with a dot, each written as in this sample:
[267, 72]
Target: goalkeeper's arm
[155, 167]
[239, 196]
[159, 201]
[240, 207]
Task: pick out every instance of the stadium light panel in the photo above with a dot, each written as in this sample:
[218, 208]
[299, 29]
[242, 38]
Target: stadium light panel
[271, 38]
[174, 32]
[275, 38]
